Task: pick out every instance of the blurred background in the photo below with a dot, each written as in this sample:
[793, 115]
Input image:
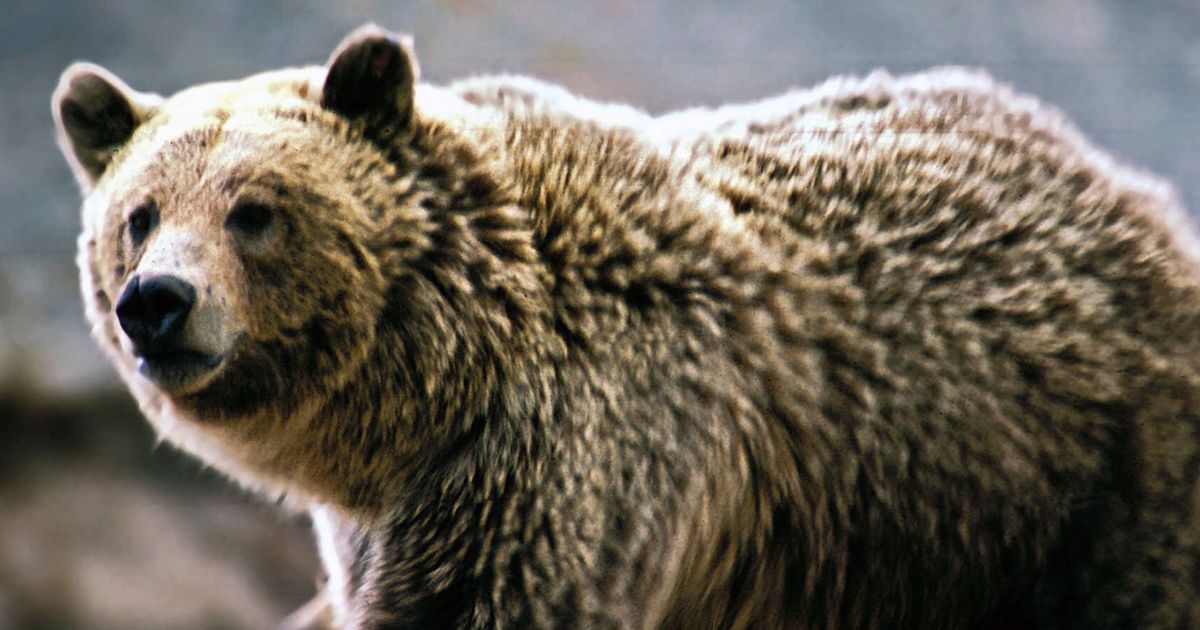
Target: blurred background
[102, 528]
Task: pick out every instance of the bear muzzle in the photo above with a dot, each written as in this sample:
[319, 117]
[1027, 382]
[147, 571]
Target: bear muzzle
[153, 310]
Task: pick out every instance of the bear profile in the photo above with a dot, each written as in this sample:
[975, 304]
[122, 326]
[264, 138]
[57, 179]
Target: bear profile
[891, 352]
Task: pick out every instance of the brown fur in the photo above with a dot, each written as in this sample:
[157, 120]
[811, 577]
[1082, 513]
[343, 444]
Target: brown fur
[885, 353]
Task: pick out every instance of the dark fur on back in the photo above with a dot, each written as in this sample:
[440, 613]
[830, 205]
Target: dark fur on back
[913, 355]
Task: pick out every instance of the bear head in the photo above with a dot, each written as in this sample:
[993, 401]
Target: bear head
[226, 249]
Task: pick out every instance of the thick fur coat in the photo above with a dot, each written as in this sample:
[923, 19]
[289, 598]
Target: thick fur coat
[890, 352]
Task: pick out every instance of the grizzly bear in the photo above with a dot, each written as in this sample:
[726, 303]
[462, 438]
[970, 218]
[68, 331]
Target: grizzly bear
[887, 353]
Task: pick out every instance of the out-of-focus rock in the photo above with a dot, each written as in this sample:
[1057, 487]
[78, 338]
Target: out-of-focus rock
[98, 531]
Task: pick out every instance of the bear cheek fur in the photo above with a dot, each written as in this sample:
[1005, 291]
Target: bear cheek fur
[308, 307]
[311, 326]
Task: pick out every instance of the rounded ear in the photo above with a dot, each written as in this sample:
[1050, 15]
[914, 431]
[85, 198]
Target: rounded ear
[371, 75]
[96, 114]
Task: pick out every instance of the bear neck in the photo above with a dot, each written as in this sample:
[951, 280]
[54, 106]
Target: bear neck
[463, 345]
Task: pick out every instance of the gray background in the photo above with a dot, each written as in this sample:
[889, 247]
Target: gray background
[100, 529]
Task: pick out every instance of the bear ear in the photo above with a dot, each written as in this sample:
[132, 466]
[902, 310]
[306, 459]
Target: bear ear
[96, 114]
[372, 75]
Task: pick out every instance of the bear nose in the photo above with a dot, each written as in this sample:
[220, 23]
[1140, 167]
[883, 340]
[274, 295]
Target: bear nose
[153, 309]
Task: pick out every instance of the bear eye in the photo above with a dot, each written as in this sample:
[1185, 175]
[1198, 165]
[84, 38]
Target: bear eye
[250, 218]
[141, 221]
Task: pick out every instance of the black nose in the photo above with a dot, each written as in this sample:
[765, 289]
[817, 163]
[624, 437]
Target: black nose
[153, 309]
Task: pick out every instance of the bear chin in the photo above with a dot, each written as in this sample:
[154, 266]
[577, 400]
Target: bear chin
[181, 371]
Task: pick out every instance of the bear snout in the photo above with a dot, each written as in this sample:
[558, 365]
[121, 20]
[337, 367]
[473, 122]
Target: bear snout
[152, 310]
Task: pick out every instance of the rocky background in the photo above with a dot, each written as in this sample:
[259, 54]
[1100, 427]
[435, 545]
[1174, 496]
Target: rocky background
[102, 528]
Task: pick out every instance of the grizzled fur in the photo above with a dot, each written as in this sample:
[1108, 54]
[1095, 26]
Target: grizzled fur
[891, 352]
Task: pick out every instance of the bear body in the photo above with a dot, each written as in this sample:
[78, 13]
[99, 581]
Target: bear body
[890, 352]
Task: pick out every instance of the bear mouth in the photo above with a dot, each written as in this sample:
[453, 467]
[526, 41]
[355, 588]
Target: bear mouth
[177, 370]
